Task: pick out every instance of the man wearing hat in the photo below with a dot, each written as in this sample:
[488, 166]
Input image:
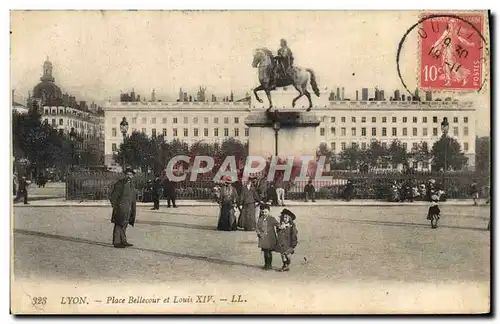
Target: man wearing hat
[157, 189]
[123, 198]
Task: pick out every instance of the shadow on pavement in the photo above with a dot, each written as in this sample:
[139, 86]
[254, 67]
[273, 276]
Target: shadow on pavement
[404, 224]
[193, 226]
[169, 213]
[167, 253]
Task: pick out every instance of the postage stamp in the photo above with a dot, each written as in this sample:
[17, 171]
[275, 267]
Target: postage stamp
[451, 52]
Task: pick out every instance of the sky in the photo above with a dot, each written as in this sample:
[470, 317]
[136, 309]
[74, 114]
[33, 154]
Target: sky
[97, 54]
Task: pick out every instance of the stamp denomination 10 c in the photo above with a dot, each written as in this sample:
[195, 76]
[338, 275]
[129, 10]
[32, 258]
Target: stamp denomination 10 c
[451, 52]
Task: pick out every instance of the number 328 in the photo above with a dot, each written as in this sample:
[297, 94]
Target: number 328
[39, 300]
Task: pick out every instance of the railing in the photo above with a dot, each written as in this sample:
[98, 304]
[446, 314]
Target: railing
[97, 186]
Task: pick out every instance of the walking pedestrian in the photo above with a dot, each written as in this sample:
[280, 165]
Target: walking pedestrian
[249, 200]
[474, 192]
[266, 233]
[22, 191]
[280, 191]
[123, 200]
[227, 202]
[309, 191]
[157, 188]
[169, 192]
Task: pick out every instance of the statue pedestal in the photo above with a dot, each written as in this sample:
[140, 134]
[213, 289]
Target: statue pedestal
[296, 133]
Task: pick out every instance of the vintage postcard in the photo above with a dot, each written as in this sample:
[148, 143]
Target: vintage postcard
[250, 162]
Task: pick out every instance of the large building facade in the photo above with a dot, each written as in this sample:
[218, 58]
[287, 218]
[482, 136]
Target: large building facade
[63, 112]
[86, 124]
[343, 123]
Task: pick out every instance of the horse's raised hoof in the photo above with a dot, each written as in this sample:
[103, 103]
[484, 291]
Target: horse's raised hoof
[308, 109]
[260, 100]
[268, 109]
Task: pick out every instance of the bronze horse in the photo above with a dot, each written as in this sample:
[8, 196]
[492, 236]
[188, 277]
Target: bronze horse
[263, 59]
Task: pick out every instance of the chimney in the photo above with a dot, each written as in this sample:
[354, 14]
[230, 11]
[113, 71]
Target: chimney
[343, 98]
[357, 95]
[153, 96]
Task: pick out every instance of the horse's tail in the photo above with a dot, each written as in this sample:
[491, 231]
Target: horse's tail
[314, 85]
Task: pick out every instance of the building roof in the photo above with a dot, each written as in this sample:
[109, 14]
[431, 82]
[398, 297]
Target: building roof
[47, 88]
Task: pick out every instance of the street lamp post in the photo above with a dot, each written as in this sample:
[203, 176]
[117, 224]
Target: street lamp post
[124, 130]
[444, 129]
[72, 137]
[276, 127]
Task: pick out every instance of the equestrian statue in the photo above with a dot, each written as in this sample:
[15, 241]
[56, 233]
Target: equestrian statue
[278, 71]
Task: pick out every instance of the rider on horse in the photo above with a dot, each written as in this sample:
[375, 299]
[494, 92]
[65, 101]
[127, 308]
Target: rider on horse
[283, 63]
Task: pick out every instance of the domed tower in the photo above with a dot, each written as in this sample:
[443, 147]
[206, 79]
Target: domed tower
[47, 92]
[47, 72]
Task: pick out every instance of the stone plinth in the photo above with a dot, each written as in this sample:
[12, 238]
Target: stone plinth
[296, 134]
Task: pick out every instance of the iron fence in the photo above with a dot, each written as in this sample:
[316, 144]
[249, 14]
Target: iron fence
[97, 186]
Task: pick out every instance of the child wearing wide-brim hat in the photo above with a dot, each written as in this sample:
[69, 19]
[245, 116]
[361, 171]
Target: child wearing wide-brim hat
[287, 237]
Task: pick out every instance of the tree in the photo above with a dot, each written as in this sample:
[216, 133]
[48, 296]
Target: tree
[376, 154]
[483, 147]
[38, 142]
[447, 150]
[323, 150]
[351, 157]
[233, 147]
[92, 154]
[397, 154]
[420, 153]
[135, 151]
[202, 148]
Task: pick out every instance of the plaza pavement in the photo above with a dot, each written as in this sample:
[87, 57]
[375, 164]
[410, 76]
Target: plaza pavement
[365, 258]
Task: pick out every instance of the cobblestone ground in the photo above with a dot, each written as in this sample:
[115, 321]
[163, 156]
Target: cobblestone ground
[336, 244]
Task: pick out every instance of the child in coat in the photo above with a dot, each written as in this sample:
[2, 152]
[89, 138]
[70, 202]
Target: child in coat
[266, 232]
[287, 237]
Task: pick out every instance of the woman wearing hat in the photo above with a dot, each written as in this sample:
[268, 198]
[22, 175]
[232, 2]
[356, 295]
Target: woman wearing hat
[249, 199]
[122, 199]
[227, 202]
[287, 237]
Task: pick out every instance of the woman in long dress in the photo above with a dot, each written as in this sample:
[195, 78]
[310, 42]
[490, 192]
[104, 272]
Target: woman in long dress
[227, 201]
[248, 200]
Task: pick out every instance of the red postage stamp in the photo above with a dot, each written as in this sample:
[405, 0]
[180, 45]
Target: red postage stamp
[451, 52]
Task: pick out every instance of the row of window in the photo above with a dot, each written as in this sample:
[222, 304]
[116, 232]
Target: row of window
[71, 123]
[364, 146]
[175, 120]
[394, 119]
[196, 132]
[435, 131]
[236, 120]
[55, 112]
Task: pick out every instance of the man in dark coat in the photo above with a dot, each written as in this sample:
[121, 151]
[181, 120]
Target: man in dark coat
[157, 188]
[169, 192]
[123, 198]
[348, 191]
[22, 191]
[310, 191]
